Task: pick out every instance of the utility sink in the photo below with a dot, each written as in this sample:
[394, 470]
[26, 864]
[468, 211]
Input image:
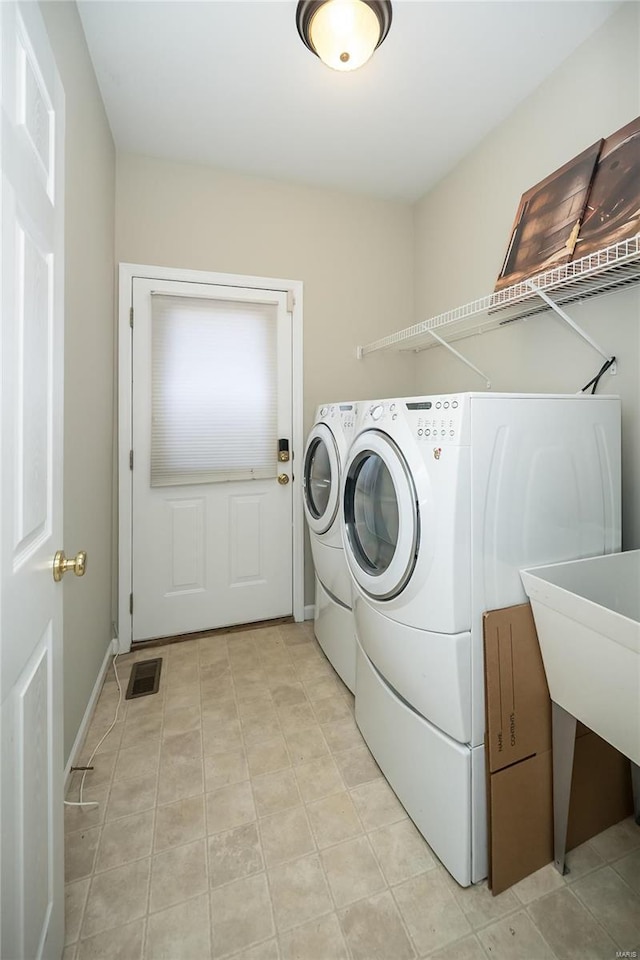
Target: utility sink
[587, 615]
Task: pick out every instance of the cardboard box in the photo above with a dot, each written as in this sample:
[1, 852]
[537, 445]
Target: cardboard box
[519, 759]
[518, 709]
[601, 793]
[520, 812]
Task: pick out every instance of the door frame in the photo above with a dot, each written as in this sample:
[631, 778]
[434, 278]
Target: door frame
[127, 273]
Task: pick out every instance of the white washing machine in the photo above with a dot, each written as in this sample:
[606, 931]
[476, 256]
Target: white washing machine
[445, 499]
[324, 459]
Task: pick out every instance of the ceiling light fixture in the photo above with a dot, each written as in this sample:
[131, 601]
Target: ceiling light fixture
[343, 33]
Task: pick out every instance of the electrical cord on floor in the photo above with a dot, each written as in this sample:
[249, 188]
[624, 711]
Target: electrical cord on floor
[596, 380]
[94, 803]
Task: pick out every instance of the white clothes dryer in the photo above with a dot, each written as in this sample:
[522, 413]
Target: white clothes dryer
[324, 459]
[445, 499]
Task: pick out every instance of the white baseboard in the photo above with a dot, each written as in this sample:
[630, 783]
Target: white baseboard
[309, 611]
[86, 720]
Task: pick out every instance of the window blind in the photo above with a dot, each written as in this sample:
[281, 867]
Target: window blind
[214, 390]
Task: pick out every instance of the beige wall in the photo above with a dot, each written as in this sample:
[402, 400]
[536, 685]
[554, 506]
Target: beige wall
[89, 352]
[462, 228]
[353, 254]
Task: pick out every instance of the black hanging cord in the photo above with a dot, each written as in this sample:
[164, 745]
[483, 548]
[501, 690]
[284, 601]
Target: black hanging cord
[596, 380]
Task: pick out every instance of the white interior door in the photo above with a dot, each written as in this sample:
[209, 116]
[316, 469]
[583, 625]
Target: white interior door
[31, 158]
[211, 502]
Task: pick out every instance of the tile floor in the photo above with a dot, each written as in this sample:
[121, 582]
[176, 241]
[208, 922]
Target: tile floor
[241, 815]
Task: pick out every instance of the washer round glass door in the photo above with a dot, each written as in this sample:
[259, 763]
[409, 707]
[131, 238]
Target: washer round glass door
[321, 480]
[380, 516]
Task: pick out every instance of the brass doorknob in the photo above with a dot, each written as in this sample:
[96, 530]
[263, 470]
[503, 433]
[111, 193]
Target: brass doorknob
[283, 478]
[61, 565]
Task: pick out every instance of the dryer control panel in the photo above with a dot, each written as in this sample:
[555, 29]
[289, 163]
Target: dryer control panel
[436, 418]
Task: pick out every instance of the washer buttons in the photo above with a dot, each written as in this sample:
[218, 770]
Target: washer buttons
[443, 433]
[455, 404]
[438, 405]
[427, 433]
[446, 404]
[419, 433]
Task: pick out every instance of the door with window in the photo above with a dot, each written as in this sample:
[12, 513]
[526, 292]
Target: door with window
[211, 468]
[31, 350]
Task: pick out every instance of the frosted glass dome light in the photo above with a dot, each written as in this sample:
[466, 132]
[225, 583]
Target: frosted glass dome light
[343, 33]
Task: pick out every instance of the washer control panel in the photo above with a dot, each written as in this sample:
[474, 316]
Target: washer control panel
[345, 413]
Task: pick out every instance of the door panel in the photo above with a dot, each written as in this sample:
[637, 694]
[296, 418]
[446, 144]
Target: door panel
[218, 552]
[187, 546]
[31, 161]
[33, 703]
[32, 346]
[34, 342]
[246, 521]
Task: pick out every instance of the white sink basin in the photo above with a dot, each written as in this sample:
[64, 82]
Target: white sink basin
[587, 614]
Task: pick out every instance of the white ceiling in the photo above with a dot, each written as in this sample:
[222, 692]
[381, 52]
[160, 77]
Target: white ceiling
[229, 83]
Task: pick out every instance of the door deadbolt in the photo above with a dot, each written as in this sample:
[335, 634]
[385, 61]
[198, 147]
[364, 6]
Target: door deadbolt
[283, 450]
[61, 565]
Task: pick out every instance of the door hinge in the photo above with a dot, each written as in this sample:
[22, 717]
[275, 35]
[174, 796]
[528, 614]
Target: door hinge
[130, 603]
[130, 459]
[131, 316]
[291, 301]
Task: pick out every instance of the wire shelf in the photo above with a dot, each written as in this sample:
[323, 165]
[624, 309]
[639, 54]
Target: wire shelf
[601, 272]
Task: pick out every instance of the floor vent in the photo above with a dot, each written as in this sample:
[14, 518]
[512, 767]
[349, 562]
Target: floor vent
[144, 679]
